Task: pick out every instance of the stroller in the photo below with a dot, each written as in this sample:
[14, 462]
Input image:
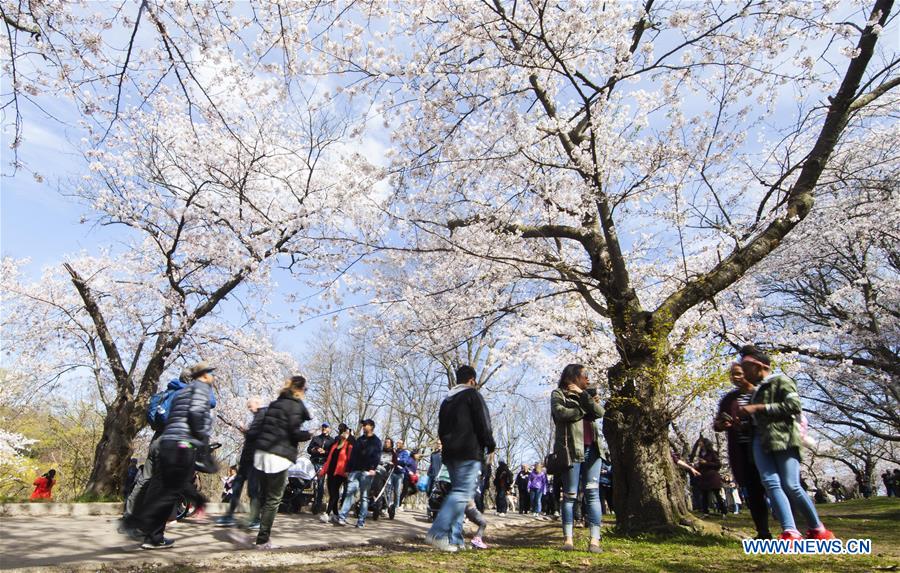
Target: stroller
[378, 491]
[438, 493]
[300, 488]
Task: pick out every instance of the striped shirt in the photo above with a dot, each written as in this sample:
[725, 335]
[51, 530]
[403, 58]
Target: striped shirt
[745, 431]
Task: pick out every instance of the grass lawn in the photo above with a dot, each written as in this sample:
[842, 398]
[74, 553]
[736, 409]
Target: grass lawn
[533, 549]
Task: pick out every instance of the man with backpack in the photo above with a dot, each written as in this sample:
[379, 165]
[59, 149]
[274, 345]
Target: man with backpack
[157, 411]
[464, 427]
[185, 435]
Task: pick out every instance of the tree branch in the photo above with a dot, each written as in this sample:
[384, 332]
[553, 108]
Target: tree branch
[800, 197]
[867, 98]
[106, 337]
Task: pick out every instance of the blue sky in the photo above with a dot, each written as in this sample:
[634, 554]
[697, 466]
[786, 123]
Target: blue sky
[39, 222]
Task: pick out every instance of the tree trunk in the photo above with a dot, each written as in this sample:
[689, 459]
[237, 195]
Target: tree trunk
[113, 451]
[648, 492]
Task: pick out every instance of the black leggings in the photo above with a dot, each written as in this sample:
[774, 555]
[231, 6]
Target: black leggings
[334, 493]
[756, 493]
[717, 496]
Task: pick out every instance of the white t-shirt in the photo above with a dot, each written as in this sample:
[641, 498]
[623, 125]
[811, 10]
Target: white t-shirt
[270, 463]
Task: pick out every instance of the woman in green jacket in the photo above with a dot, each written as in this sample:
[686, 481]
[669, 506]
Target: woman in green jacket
[577, 443]
[775, 409]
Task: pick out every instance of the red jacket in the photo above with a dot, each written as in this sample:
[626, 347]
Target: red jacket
[42, 487]
[340, 468]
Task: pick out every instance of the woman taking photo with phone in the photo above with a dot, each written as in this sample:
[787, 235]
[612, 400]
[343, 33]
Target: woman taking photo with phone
[576, 446]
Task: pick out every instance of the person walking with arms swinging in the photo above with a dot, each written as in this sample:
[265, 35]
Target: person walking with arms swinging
[276, 450]
[464, 428]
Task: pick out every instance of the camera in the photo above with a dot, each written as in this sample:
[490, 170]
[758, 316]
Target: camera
[591, 391]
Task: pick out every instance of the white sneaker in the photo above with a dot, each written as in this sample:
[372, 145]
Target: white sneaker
[325, 518]
[441, 544]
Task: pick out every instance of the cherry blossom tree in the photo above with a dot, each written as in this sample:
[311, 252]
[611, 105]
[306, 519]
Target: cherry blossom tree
[65, 60]
[828, 298]
[15, 467]
[859, 452]
[211, 140]
[601, 156]
[583, 177]
[209, 207]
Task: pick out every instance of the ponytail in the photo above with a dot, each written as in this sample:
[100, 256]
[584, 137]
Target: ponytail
[294, 386]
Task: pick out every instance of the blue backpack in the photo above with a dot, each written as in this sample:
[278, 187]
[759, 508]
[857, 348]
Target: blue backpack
[158, 410]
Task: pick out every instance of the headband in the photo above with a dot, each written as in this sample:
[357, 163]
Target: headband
[748, 358]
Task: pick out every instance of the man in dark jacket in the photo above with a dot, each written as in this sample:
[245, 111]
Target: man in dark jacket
[740, 448]
[246, 473]
[364, 459]
[318, 450]
[434, 467]
[187, 429]
[464, 427]
[142, 479]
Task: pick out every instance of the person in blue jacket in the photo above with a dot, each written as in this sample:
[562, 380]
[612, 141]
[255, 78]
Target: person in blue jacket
[139, 486]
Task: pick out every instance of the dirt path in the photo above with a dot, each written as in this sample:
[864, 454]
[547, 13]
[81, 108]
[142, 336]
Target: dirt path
[91, 543]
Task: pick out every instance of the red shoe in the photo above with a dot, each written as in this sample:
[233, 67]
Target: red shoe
[791, 535]
[819, 534]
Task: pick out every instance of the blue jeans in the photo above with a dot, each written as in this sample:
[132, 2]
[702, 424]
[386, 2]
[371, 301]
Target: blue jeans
[587, 472]
[357, 482]
[395, 488]
[319, 490]
[448, 523]
[535, 495]
[780, 475]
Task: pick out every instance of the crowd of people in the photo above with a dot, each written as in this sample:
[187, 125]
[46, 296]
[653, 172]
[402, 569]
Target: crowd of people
[761, 417]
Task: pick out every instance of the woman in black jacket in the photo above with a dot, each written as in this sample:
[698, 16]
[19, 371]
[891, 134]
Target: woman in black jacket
[502, 482]
[276, 451]
[709, 482]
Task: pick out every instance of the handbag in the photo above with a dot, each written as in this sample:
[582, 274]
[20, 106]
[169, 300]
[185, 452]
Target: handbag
[555, 463]
[802, 424]
[205, 462]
